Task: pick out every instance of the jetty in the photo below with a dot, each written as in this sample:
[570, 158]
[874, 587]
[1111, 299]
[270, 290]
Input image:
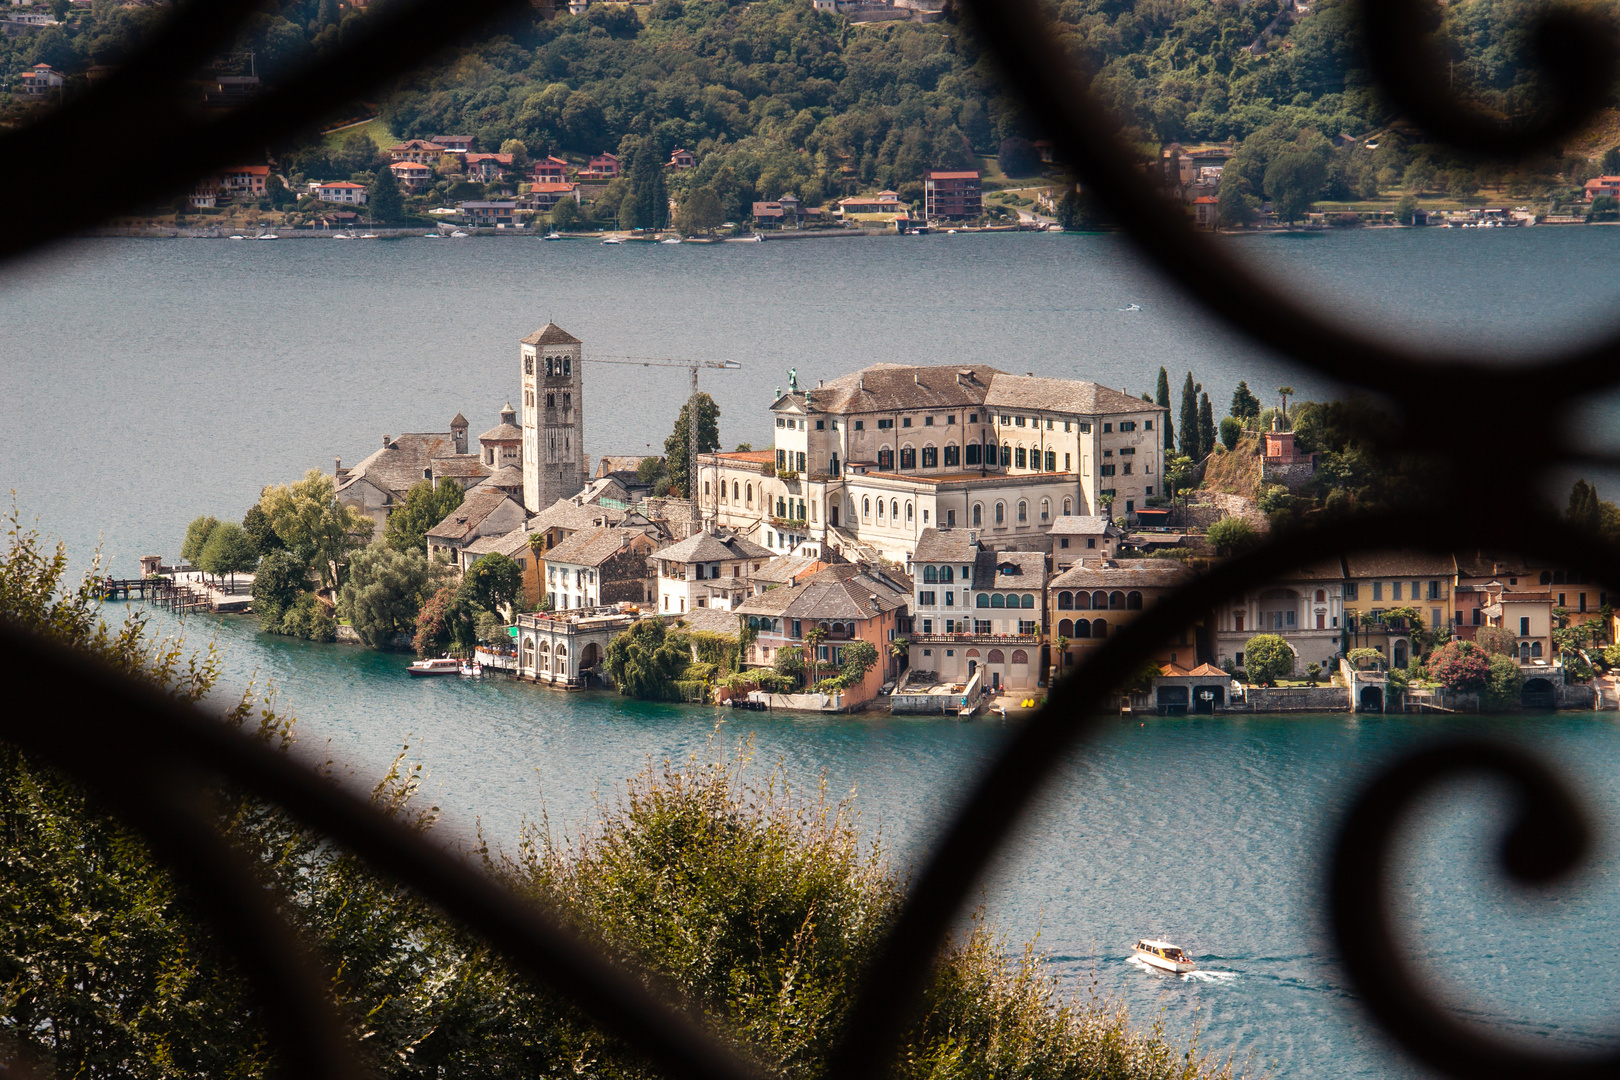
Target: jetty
[183, 590]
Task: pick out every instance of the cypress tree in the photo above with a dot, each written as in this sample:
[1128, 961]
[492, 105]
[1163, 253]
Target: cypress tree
[1163, 398]
[1245, 406]
[1189, 418]
[384, 198]
[1585, 508]
[646, 205]
[1206, 425]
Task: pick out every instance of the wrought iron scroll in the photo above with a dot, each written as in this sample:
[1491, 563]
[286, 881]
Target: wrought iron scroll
[84, 719]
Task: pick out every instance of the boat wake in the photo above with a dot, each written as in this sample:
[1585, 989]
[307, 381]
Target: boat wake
[1133, 307]
[1218, 977]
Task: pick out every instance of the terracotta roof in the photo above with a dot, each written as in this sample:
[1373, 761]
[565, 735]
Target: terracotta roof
[551, 334]
[552, 187]
[1029, 570]
[612, 463]
[1125, 573]
[945, 546]
[460, 465]
[790, 568]
[762, 457]
[706, 547]
[935, 174]
[345, 184]
[1062, 395]
[465, 519]
[1398, 564]
[592, 547]
[410, 166]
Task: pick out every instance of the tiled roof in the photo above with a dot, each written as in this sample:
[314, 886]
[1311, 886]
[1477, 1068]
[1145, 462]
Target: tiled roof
[551, 334]
[837, 593]
[1398, 564]
[509, 545]
[1125, 573]
[1083, 525]
[712, 620]
[505, 476]
[705, 547]
[612, 463]
[465, 519]
[502, 433]
[567, 514]
[1029, 570]
[945, 546]
[900, 388]
[398, 466]
[458, 421]
[790, 568]
[759, 457]
[1062, 395]
[592, 547]
[460, 465]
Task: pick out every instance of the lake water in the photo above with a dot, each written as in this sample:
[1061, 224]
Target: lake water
[143, 383]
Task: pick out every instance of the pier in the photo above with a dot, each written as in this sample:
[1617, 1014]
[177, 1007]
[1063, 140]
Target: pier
[183, 591]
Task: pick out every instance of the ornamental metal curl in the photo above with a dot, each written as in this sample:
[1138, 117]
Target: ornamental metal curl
[153, 780]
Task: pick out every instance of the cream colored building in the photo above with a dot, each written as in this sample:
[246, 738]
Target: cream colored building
[874, 458]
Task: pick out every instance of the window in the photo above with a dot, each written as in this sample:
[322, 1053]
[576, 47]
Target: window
[1147, 425]
[1350, 590]
[885, 459]
[894, 509]
[978, 515]
[781, 422]
[1394, 590]
[821, 425]
[735, 492]
[950, 519]
[528, 365]
[1046, 509]
[1006, 456]
[1006, 419]
[1023, 511]
[1434, 591]
[1524, 626]
[1085, 428]
[781, 459]
[1106, 470]
[551, 401]
[884, 425]
[1001, 513]
[973, 418]
[951, 419]
[908, 457]
[925, 599]
[983, 601]
[953, 456]
[928, 421]
[1018, 421]
[1127, 425]
[908, 511]
[880, 509]
[1378, 590]
[1091, 541]
[860, 425]
[930, 457]
[1019, 456]
[801, 462]
[781, 507]
[906, 422]
[972, 457]
[749, 490]
[1127, 451]
[866, 508]
[1051, 461]
[1127, 469]
[950, 598]
[1107, 428]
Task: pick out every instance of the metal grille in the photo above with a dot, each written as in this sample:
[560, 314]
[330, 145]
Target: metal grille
[137, 116]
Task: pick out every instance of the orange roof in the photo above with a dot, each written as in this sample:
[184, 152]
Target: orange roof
[1208, 669]
[256, 170]
[553, 187]
[409, 166]
[974, 175]
[1206, 199]
[1170, 671]
[344, 184]
[766, 457]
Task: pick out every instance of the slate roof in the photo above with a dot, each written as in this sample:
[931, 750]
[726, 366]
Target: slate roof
[902, 387]
[1083, 525]
[460, 465]
[611, 463]
[945, 546]
[551, 334]
[510, 545]
[706, 547]
[1126, 573]
[1398, 564]
[464, 520]
[567, 514]
[506, 476]
[1031, 570]
[592, 547]
[458, 421]
[399, 465]
[789, 569]
[712, 620]
[1062, 395]
[837, 593]
[502, 433]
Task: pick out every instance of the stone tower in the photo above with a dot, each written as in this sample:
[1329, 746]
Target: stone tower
[553, 417]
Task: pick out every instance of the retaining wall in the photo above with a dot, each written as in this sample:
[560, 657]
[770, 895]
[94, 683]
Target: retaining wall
[1298, 699]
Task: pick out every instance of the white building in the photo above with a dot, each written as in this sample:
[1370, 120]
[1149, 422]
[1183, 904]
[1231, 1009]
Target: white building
[976, 611]
[706, 571]
[1305, 607]
[340, 192]
[874, 458]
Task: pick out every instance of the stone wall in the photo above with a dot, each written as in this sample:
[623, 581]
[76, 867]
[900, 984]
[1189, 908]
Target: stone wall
[1213, 506]
[1295, 475]
[1281, 699]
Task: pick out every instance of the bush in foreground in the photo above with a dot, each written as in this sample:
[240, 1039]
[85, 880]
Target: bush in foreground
[759, 904]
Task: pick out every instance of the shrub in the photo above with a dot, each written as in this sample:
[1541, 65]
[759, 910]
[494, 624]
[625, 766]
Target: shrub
[1267, 658]
[1503, 682]
[1496, 641]
[1357, 657]
[1231, 432]
[1231, 535]
[1460, 665]
[309, 619]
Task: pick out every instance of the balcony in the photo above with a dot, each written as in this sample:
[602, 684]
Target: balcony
[961, 638]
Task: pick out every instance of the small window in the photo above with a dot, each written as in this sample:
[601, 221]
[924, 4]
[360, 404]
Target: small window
[821, 425]
[905, 422]
[928, 421]
[1085, 428]
[973, 418]
[1127, 425]
[1147, 425]
[1107, 428]
[1018, 421]
[951, 419]
[860, 425]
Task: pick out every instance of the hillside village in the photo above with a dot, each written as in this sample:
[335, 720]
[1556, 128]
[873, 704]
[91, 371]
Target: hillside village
[934, 538]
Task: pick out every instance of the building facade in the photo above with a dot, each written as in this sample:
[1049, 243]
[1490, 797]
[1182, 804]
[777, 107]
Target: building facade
[952, 194]
[553, 416]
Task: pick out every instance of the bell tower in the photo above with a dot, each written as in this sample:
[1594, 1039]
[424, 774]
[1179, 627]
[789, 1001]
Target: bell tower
[553, 417]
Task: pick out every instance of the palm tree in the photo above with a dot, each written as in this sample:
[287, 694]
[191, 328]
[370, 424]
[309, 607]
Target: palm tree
[813, 637]
[1060, 643]
[899, 650]
[1286, 392]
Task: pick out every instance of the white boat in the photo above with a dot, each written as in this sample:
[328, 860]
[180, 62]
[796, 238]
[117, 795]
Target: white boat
[1164, 956]
[671, 240]
[759, 238]
[950, 232]
[368, 236]
[472, 670]
[612, 240]
[458, 235]
[267, 236]
[430, 236]
[444, 665]
[238, 236]
[553, 235]
[342, 236]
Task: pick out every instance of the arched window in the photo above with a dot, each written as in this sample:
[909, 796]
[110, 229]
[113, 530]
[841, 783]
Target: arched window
[978, 515]
[1099, 600]
[1046, 509]
[1006, 455]
[1051, 461]
[866, 508]
[1026, 601]
[1068, 507]
[908, 510]
[1066, 628]
[1535, 649]
[1001, 513]
[1321, 596]
[781, 507]
[885, 459]
[1082, 601]
[735, 494]
[1065, 601]
[1133, 601]
[1023, 511]
[997, 600]
[972, 456]
[750, 494]
[1099, 628]
[894, 509]
[1082, 628]
[983, 600]
[930, 575]
[880, 509]
[1116, 601]
[548, 367]
[930, 457]
[946, 574]
[996, 657]
[1019, 456]
[908, 457]
[1019, 656]
[953, 456]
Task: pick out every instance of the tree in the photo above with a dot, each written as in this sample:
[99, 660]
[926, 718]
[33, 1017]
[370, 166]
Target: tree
[519, 151]
[1285, 392]
[1585, 508]
[1294, 181]
[646, 660]
[708, 439]
[197, 534]
[445, 623]
[566, 214]
[229, 551]
[1406, 209]
[1017, 157]
[1503, 681]
[256, 523]
[493, 582]
[1234, 206]
[649, 469]
[315, 526]
[275, 189]
[1189, 419]
[282, 578]
[1231, 432]
[647, 204]
[789, 664]
[424, 507]
[385, 591]
[1245, 406]
[1611, 161]
[1496, 641]
[1231, 536]
[1178, 474]
[813, 638]
[1161, 398]
[1206, 425]
[383, 199]
[1267, 658]
[700, 212]
[1603, 208]
[1459, 666]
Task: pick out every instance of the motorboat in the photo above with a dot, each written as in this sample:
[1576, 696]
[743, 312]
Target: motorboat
[444, 665]
[458, 235]
[950, 232]
[671, 240]
[238, 236]
[759, 238]
[1164, 956]
[430, 236]
[553, 235]
[267, 236]
[368, 236]
[472, 671]
[342, 236]
[612, 240]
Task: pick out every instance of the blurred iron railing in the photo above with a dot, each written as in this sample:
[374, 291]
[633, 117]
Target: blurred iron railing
[137, 116]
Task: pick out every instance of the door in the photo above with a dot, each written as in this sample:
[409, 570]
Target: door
[973, 665]
[995, 680]
[1321, 620]
[832, 515]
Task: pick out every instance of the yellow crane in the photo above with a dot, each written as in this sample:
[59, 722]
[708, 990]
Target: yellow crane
[691, 408]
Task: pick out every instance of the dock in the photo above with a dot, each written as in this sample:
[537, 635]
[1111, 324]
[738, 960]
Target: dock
[183, 591]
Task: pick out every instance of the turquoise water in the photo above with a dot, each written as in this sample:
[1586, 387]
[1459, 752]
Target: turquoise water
[144, 383]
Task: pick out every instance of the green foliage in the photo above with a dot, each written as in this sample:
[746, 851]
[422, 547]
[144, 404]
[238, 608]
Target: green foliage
[649, 469]
[1267, 658]
[1585, 508]
[309, 619]
[315, 526]
[229, 550]
[1231, 536]
[1361, 657]
[646, 661]
[708, 440]
[1294, 181]
[383, 199]
[789, 664]
[1231, 432]
[1405, 208]
[1161, 396]
[700, 212]
[256, 523]
[424, 507]
[385, 591]
[446, 623]
[1603, 208]
[493, 581]
[1460, 665]
[566, 215]
[859, 658]
[1245, 406]
[281, 579]
[1502, 683]
[1206, 425]
[197, 534]
[1189, 419]
[722, 652]
[647, 204]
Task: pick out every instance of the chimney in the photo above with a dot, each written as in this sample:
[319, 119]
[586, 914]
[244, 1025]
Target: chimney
[337, 466]
[860, 381]
[386, 443]
[916, 377]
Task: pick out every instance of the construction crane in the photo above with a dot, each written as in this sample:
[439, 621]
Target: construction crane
[691, 409]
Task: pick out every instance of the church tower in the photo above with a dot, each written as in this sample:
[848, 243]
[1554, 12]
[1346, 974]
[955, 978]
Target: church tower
[553, 417]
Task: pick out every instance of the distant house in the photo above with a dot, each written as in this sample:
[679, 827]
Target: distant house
[455, 144]
[602, 167]
[884, 202]
[550, 170]
[706, 570]
[489, 213]
[244, 180]
[412, 175]
[681, 159]
[545, 196]
[487, 168]
[485, 512]
[781, 213]
[340, 192]
[382, 481]
[205, 193]
[417, 150]
[39, 81]
[600, 566]
[1602, 185]
[952, 194]
[1204, 211]
[1076, 537]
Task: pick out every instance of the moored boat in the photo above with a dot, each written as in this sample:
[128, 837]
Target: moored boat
[1164, 956]
[444, 665]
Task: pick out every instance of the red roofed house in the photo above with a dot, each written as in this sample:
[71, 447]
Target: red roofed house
[884, 202]
[244, 179]
[952, 194]
[1204, 208]
[681, 159]
[1602, 185]
[545, 196]
[418, 150]
[550, 170]
[487, 168]
[412, 174]
[602, 167]
[340, 192]
[39, 81]
[456, 144]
